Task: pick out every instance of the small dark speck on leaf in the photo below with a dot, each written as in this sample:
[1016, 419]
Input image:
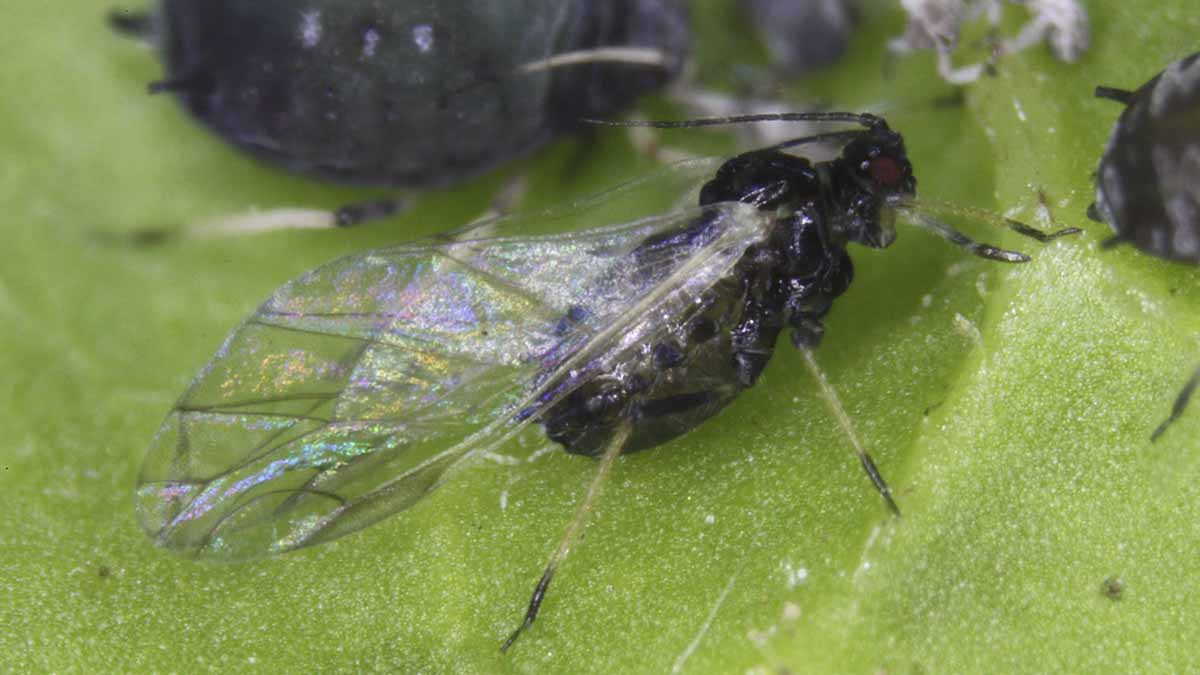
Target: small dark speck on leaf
[1113, 588]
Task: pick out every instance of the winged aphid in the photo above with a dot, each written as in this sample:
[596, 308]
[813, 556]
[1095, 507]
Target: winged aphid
[357, 388]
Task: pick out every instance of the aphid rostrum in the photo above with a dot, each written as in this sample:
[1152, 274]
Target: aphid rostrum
[1148, 179]
[357, 388]
[407, 93]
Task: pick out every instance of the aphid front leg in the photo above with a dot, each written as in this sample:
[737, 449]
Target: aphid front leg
[1180, 405]
[964, 242]
[835, 405]
[993, 219]
[615, 446]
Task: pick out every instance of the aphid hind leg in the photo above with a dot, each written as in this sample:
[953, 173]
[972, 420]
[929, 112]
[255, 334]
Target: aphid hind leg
[835, 405]
[1180, 404]
[571, 533]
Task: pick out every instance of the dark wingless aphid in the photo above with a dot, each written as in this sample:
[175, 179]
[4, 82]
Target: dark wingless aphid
[407, 93]
[1148, 180]
[357, 388]
[801, 35]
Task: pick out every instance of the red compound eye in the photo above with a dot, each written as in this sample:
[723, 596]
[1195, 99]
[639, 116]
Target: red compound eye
[884, 170]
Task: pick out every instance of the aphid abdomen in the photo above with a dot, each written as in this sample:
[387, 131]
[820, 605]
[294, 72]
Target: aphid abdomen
[665, 388]
[405, 92]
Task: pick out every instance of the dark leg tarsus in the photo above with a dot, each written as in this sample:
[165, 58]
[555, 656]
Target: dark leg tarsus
[535, 604]
[1034, 233]
[868, 465]
[615, 445]
[1180, 405]
[835, 406]
[362, 212]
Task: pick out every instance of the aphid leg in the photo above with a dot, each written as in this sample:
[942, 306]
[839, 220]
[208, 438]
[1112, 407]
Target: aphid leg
[835, 404]
[1034, 233]
[505, 199]
[134, 24]
[964, 242]
[615, 446]
[1181, 402]
[1122, 96]
[916, 207]
[364, 212]
[273, 220]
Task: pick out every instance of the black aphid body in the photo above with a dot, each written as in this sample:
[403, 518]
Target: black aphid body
[403, 92]
[1148, 180]
[790, 279]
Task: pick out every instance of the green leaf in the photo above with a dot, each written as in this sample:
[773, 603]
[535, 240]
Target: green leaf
[1009, 407]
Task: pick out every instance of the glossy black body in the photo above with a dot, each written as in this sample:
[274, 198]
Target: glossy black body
[788, 280]
[403, 92]
[1148, 180]
[801, 35]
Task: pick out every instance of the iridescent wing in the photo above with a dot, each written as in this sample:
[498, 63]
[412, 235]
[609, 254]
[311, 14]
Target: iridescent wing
[354, 389]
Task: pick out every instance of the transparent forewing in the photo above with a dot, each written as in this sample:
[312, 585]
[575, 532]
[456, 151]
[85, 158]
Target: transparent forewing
[353, 389]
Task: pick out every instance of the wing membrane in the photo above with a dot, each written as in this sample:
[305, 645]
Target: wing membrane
[354, 389]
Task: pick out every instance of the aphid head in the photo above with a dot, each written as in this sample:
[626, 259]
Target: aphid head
[874, 179]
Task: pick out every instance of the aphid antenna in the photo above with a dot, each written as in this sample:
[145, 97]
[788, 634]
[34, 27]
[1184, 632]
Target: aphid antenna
[839, 136]
[574, 527]
[867, 120]
[634, 56]
[630, 56]
[829, 394]
[1180, 405]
